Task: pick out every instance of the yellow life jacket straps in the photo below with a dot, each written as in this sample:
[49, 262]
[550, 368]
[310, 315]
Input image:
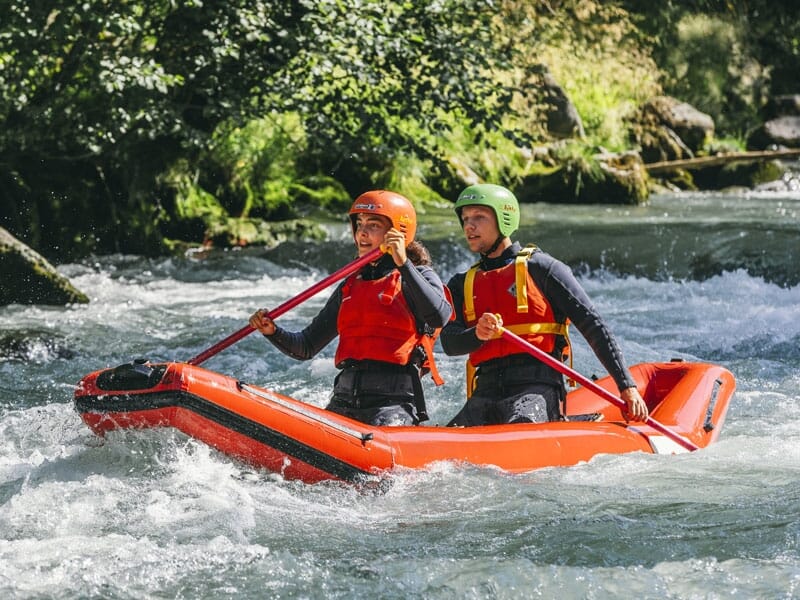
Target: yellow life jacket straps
[568, 349]
[540, 328]
[470, 371]
[520, 281]
[469, 301]
[522, 298]
[521, 276]
[521, 285]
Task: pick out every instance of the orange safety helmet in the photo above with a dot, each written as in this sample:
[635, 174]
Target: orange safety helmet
[398, 209]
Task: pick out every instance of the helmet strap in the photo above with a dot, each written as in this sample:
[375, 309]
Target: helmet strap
[494, 246]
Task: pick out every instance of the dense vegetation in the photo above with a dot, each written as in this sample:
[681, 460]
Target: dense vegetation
[129, 124]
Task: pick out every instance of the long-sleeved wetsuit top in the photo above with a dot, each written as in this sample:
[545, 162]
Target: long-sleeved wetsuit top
[565, 295]
[420, 285]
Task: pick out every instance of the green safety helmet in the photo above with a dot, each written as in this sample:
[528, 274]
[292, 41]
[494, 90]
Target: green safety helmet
[496, 197]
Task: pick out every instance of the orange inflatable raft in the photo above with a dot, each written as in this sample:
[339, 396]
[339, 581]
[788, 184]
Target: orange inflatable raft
[305, 442]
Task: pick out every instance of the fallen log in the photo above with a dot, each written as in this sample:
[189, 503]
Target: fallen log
[702, 162]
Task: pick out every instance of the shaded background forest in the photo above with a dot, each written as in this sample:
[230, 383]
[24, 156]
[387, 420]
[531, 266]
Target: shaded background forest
[143, 126]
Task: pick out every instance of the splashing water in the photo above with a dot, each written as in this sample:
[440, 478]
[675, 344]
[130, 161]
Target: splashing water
[155, 514]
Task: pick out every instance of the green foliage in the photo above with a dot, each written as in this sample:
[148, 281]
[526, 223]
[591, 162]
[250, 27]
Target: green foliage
[724, 145]
[724, 56]
[312, 193]
[373, 78]
[250, 168]
[120, 91]
[187, 211]
[710, 84]
[595, 53]
[118, 114]
[104, 97]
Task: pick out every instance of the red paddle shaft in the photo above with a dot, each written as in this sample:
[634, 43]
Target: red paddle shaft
[588, 383]
[289, 304]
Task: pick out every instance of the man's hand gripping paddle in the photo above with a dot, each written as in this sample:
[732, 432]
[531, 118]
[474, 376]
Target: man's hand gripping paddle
[588, 383]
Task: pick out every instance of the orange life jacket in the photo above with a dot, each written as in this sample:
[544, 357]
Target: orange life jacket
[511, 292]
[376, 323]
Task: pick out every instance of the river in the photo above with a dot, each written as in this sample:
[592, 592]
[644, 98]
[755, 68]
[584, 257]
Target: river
[154, 514]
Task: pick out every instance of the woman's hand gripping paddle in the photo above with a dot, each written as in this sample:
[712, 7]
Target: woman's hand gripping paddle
[290, 304]
[588, 383]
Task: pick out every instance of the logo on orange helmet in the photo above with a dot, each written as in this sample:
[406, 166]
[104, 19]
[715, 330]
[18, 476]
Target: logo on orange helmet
[398, 209]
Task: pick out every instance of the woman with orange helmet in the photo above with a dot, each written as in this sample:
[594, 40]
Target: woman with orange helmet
[386, 316]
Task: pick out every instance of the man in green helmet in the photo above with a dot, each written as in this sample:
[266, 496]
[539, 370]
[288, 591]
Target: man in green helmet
[532, 294]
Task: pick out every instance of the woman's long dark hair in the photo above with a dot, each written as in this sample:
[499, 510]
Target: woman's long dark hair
[418, 254]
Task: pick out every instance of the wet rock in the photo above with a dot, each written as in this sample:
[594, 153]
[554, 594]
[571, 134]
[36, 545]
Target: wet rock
[34, 346]
[26, 277]
[237, 232]
[667, 129]
[563, 120]
[744, 174]
[788, 182]
[626, 180]
[781, 132]
[605, 179]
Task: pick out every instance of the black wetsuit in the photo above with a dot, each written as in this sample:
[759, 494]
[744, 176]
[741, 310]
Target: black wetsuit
[520, 388]
[374, 392]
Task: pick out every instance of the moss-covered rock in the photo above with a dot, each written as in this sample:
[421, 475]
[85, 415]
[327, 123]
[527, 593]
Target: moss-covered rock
[679, 180]
[255, 232]
[667, 129]
[27, 278]
[739, 174]
[604, 179]
[319, 192]
[450, 175]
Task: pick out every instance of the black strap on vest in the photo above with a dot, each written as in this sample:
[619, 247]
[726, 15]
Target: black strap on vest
[419, 393]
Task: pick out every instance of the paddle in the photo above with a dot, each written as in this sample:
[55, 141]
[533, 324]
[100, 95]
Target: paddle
[289, 304]
[591, 385]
